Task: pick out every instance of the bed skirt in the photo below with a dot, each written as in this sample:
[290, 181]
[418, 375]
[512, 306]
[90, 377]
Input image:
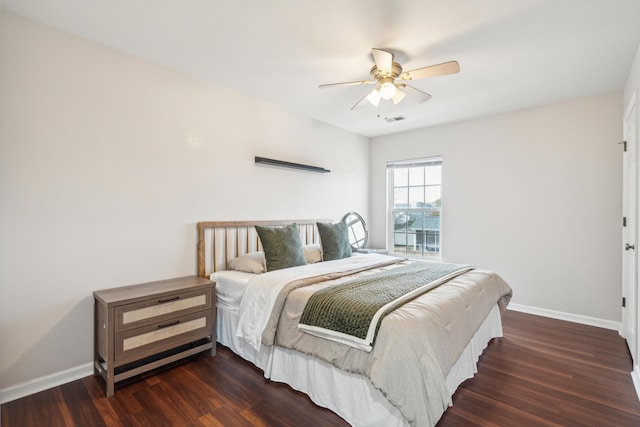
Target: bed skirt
[349, 395]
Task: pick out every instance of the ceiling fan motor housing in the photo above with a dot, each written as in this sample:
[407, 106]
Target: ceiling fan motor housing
[396, 70]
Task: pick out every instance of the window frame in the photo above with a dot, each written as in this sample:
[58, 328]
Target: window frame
[423, 253]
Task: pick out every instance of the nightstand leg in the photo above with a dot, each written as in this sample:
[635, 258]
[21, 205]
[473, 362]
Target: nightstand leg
[109, 381]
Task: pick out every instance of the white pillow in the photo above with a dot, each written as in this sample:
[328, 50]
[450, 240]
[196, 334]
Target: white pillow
[312, 253]
[252, 262]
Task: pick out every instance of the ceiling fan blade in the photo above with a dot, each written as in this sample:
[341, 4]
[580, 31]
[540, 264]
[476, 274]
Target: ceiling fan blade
[445, 68]
[357, 83]
[399, 96]
[360, 103]
[383, 60]
[419, 95]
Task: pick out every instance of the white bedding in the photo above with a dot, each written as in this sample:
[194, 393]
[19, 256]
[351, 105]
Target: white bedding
[230, 287]
[350, 395]
[263, 290]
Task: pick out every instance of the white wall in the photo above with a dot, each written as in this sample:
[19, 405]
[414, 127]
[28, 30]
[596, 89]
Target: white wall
[633, 81]
[534, 195]
[106, 164]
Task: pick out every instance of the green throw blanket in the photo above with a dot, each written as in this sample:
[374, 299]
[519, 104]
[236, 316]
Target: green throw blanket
[351, 312]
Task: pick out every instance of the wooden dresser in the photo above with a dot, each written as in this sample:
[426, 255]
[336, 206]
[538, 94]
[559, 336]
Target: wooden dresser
[141, 327]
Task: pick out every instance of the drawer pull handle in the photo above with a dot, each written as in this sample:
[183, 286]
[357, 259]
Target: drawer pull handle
[162, 301]
[168, 324]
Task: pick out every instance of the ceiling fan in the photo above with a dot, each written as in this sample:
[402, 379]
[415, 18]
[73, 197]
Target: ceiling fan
[386, 71]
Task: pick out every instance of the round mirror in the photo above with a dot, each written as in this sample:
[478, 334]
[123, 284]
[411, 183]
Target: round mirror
[357, 229]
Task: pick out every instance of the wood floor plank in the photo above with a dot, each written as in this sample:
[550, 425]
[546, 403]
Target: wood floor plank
[570, 378]
[208, 420]
[475, 409]
[79, 405]
[543, 372]
[101, 402]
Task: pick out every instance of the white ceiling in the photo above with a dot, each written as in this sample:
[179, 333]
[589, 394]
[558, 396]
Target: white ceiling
[513, 54]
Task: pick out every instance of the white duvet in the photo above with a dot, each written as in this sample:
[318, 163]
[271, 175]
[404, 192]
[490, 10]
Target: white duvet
[262, 291]
[416, 346]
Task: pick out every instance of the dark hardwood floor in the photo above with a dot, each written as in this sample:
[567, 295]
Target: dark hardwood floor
[544, 372]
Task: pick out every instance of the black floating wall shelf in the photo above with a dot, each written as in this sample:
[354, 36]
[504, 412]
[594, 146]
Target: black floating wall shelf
[290, 165]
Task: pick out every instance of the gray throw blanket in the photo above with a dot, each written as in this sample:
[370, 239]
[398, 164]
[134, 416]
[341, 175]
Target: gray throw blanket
[351, 312]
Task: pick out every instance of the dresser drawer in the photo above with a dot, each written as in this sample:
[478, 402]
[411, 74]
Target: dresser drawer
[151, 339]
[162, 308]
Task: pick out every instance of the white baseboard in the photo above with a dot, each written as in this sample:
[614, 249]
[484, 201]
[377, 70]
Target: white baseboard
[43, 383]
[635, 376]
[561, 315]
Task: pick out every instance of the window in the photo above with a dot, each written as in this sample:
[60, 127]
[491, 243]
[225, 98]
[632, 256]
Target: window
[415, 207]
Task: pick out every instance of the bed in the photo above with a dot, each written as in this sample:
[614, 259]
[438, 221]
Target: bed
[406, 363]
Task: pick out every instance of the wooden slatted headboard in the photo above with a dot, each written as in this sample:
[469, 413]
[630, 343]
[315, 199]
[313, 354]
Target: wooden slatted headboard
[220, 241]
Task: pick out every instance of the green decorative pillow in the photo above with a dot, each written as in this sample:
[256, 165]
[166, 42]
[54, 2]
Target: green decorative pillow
[335, 240]
[282, 246]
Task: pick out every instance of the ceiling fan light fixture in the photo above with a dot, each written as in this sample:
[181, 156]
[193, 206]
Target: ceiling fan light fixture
[399, 96]
[387, 90]
[374, 97]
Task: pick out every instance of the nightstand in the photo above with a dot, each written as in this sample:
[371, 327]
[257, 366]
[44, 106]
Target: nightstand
[141, 327]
